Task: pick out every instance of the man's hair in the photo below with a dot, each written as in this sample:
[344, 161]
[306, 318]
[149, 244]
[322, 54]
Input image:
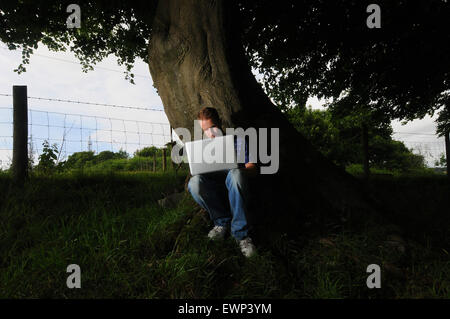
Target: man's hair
[211, 113]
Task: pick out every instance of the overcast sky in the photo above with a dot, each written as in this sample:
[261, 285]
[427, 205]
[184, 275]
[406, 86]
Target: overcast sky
[58, 75]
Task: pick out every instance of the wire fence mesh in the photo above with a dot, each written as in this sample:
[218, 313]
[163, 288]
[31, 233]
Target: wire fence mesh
[73, 132]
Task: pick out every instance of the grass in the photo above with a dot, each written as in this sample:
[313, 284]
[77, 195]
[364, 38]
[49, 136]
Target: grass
[129, 247]
[136, 163]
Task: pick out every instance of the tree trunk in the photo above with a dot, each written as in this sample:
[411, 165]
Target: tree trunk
[196, 59]
[447, 152]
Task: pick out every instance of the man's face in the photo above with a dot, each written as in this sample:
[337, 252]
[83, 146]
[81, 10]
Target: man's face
[209, 128]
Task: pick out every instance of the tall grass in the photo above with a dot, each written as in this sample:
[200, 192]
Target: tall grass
[129, 247]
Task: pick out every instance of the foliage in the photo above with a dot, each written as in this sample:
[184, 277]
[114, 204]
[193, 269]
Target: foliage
[122, 154]
[117, 161]
[317, 126]
[324, 48]
[339, 138]
[147, 151]
[88, 158]
[48, 158]
[107, 27]
[441, 162]
[394, 155]
[104, 156]
[79, 160]
[443, 121]
[302, 48]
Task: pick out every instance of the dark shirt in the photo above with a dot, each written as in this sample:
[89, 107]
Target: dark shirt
[238, 145]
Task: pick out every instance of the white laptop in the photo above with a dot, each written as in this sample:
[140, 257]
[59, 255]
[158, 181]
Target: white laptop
[211, 154]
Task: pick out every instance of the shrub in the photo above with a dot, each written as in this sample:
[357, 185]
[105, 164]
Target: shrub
[147, 151]
[48, 158]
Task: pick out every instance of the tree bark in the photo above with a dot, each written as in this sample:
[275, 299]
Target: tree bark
[196, 59]
[447, 152]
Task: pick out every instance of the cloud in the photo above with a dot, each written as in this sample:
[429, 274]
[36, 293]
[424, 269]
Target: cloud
[49, 77]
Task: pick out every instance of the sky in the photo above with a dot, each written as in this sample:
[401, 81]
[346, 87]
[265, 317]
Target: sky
[58, 75]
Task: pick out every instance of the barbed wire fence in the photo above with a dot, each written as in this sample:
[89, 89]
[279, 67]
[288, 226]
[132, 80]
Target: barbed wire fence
[431, 146]
[73, 132]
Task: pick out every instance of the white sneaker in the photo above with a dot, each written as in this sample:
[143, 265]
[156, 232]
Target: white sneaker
[218, 232]
[247, 247]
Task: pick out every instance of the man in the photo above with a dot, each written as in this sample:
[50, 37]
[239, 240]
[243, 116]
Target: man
[224, 194]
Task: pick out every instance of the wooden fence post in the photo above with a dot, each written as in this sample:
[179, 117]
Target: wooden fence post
[171, 160]
[164, 159]
[20, 135]
[365, 149]
[171, 148]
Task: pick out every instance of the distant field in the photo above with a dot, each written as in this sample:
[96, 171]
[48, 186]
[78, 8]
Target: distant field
[129, 247]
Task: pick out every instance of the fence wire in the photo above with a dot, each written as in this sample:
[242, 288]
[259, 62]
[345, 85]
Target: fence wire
[79, 132]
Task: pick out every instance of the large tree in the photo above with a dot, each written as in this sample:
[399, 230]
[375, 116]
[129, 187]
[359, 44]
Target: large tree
[201, 52]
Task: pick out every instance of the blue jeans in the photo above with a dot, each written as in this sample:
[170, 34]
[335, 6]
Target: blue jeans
[224, 195]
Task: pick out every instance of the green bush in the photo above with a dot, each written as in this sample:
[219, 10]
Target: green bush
[79, 160]
[112, 161]
[147, 152]
[339, 139]
[48, 158]
[104, 156]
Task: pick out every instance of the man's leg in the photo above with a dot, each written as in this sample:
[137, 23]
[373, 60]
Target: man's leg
[237, 185]
[209, 192]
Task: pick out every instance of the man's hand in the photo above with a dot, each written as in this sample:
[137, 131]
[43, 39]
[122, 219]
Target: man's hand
[251, 169]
